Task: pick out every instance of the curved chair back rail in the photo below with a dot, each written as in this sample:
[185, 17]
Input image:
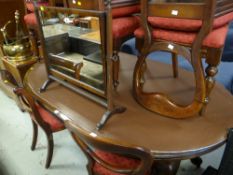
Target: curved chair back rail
[89, 142]
[202, 12]
[30, 103]
[43, 118]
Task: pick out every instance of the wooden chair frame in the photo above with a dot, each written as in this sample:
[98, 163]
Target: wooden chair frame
[36, 119]
[205, 11]
[87, 141]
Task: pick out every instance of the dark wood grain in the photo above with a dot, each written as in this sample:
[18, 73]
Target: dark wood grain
[166, 138]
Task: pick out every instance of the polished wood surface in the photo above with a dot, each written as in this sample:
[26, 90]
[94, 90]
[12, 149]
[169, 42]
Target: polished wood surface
[18, 69]
[166, 138]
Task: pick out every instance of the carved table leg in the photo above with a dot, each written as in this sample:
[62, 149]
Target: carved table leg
[165, 167]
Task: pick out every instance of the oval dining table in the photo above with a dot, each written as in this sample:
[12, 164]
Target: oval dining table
[169, 140]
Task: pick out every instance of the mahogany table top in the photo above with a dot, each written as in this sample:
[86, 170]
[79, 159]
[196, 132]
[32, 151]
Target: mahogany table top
[166, 138]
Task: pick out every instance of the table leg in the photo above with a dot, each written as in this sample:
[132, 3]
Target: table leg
[165, 167]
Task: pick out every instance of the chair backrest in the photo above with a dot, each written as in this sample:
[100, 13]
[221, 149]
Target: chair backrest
[196, 10]
[226, 165]
[122, 3]
[89, 141]
[223, 7]
[86, 4]
[100, 4]
[29, 101]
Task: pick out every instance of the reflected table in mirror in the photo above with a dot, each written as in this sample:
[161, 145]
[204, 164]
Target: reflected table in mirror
[75, 51]
[74, 47]
[170, 140]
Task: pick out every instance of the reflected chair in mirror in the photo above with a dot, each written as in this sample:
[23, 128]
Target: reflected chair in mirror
[194, 30]
[108, 158]
[31, 22]
[41, 117]
[225, 167]
[123, 23]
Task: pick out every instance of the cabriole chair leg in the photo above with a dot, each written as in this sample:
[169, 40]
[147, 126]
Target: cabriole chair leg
[35, 134]
[50, 149]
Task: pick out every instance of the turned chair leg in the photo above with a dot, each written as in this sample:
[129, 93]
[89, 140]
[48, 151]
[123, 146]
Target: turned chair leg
[35, 134]
[175, 65]
[50, 149]
[213, 59]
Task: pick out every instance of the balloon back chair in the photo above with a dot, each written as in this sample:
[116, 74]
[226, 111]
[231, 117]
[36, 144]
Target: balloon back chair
[225, 167]
[107, 158]
[194, 30]
[123, 23]
[40, 116]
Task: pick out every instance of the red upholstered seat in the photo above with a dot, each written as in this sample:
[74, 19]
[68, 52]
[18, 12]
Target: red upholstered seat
[115, 160]
[125, 11]
[124, 26]
[215, 39]
[30, 6]
[30, 20]
[187, 24]
[55, 124]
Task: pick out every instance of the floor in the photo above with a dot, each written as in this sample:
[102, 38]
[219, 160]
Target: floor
[16, 158]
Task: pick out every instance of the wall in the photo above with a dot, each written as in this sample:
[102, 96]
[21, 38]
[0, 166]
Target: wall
[7, 9]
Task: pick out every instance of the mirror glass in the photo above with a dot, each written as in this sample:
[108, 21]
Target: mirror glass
[74, 46]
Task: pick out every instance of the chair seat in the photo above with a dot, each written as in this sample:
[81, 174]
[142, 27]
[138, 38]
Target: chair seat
[30, 6]
[30, 20]
[115, 160]
[215, 39]
[124, 26]
[187, 24]
[55, 123]
[125, 11]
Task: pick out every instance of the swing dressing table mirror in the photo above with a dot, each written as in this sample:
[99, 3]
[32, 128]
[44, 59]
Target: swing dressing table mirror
[77, 51]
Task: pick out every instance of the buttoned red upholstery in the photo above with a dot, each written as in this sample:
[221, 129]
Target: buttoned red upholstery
[124, 26]
[125, 11]
[187, 24]
[54, 123]
[30, 6]
[215, 39]
[30, 20]
[115, 160]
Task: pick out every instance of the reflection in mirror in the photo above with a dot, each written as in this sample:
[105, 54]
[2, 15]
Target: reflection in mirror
[74, 48]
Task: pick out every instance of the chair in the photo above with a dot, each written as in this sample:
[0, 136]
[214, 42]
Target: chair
[123, 26]
[42, 117]
[31, 22]
[186, 29]
[225, 167]
[123, 23]
[107, 158]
